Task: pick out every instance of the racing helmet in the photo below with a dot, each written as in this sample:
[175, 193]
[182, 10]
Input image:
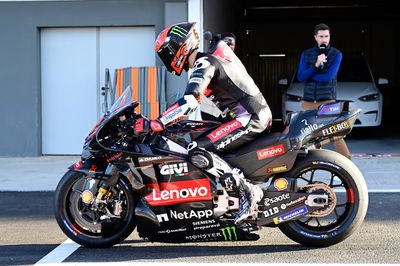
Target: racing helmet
[175, 44]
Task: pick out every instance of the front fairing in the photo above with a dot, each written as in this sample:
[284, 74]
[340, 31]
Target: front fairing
[123, 102]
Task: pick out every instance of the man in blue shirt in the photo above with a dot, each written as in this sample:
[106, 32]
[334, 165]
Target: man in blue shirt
[318, 69]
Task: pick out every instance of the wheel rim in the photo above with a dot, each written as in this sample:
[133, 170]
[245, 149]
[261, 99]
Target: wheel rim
[83, 219]
[344, 199]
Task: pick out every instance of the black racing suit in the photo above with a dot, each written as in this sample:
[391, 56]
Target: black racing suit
[221, 76]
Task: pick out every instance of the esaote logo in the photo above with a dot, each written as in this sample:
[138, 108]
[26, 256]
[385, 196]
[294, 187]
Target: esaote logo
[181, 191]
[270, 152]
[224, 130]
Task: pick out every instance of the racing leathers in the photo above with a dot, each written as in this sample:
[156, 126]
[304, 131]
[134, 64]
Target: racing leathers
[221, 76]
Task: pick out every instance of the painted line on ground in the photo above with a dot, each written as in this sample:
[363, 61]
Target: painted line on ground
[59, 254]
[375, 155]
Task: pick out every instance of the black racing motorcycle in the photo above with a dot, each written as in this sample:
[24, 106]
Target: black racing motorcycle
[145, 181]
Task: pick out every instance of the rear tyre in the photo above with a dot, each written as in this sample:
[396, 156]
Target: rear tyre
[89, 226]
[350, 204]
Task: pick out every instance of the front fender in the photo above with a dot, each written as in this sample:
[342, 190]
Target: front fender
[90, 167]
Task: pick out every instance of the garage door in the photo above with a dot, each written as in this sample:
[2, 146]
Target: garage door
[73, 62]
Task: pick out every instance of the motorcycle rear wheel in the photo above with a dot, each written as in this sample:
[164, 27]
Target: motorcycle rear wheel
[345, 179]
[86, 226]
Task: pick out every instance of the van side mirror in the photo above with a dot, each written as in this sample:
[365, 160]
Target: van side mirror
[283, 82]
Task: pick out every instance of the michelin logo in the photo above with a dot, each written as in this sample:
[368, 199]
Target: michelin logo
[291, 215]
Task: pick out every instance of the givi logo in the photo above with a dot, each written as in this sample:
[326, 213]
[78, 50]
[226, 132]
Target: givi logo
[175, 169]
[181, 191]
[270, 152]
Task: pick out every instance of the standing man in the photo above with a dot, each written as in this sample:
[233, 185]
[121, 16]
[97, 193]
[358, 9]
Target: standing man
[230, 39]
[318, 69]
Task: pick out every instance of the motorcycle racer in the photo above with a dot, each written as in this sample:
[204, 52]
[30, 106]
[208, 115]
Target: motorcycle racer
[220, 76]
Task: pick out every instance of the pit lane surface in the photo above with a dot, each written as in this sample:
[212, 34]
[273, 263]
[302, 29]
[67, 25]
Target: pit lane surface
[28, 232]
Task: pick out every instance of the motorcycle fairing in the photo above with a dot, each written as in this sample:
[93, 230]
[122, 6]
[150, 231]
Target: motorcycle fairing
[90, 167]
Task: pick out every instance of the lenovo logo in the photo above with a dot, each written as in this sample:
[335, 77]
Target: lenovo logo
[224, 130]
[270, 152]
[181, 191]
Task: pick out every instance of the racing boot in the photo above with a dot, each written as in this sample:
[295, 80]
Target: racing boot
[250, 196]
[232, 179]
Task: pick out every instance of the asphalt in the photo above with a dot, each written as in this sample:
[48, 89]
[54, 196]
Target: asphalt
[381, 172]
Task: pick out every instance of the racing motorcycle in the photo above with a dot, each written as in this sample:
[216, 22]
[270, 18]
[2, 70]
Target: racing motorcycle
[127, 180]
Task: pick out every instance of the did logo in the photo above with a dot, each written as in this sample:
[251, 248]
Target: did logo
[179, 169]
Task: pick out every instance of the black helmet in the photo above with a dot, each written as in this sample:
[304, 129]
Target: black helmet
[175, 44]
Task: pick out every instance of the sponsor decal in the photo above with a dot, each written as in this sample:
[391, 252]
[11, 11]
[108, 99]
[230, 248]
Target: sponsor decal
[204, 237]
[330, 109]
[232, 139]
[185, 215]
[173, 107]
[93, 168]
[327, 163]
[313, 235]
[293, 203]
[281, 184]
[179, 31]
[181, 191]
[309, 128]
[291, 215]
[271, 211]
[169, 231]
[223, 53]
[78, 165]
[229, 233]
[196, 80]
[270, 152]
[207, 224]
[114, 157]
[87, 196]
[179, 169]
[146, 159]
[172, 115]
[269, 201]
[224, 130]
[203, 222]
[336, 128]
[162, 217]
[277, 169]
[191, 215]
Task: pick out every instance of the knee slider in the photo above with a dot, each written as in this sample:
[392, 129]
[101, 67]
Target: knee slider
[200, 158]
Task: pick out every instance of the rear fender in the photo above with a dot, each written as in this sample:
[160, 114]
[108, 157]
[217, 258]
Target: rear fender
[90, 167]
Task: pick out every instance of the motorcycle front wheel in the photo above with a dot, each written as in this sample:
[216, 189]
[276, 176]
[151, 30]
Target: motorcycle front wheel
[329, 172]
[94, 225]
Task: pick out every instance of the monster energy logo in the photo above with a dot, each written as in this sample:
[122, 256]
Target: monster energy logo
[229, 233]
[181, 32]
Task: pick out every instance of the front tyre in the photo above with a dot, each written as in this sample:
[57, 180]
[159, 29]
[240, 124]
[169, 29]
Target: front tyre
[327, 169]
[101, 225]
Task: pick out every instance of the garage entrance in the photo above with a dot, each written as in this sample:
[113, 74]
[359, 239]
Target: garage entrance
[73, 63]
